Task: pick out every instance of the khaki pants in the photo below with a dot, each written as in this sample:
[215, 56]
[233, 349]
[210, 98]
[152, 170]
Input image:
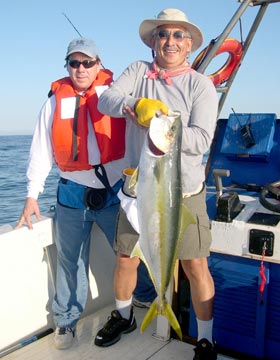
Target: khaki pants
[196, 240]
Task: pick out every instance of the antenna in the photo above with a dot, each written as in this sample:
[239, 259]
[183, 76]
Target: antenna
[76, 29]
[237, 118]
[72, 24]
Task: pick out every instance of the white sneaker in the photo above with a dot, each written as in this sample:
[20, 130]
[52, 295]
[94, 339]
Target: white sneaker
[63, 337]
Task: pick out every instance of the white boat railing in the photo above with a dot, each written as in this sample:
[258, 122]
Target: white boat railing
[27, 278]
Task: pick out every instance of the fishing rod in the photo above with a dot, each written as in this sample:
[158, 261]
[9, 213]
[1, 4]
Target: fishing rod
[23, 343]
[74, 27]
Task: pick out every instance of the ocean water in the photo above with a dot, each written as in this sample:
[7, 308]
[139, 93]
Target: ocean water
[14, 152]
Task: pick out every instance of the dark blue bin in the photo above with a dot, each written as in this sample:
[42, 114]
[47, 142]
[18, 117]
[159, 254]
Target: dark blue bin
[239, 313]
[272, 337]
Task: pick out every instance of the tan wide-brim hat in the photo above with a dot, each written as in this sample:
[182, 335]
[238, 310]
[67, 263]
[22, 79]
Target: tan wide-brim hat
[174, 17]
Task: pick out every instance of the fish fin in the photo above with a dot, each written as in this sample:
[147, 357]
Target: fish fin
[169, 314]
[165, 310]
[133, 179]
[186, 219]
[151, 314]
[138, 252]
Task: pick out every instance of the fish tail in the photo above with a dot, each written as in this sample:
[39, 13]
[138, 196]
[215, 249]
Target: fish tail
[165, 310]
[151, 314]
[169, 314]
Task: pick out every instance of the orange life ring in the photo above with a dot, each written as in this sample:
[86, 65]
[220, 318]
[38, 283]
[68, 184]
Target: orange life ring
[234, 48]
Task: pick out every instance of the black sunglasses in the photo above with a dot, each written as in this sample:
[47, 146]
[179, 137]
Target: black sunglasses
[87, 64]
[178, 35]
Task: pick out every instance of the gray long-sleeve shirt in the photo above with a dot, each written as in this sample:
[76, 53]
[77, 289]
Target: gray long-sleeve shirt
[192, 93]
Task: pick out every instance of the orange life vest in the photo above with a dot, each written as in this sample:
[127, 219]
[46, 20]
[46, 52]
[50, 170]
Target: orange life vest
[69, 136]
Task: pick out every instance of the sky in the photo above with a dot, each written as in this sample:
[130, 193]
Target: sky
[35, 34]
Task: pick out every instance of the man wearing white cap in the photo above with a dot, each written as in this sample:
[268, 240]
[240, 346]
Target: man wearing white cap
[143, 89]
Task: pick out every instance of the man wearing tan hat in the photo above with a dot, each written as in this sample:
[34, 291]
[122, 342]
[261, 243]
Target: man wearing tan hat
[143, 89]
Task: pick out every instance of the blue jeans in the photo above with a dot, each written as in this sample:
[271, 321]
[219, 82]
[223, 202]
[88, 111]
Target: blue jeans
[72, 237]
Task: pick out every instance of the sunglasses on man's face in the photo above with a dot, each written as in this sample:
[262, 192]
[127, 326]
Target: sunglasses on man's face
[177, 35]
[87, 64]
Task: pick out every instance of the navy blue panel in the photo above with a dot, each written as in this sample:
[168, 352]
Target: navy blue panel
[262, 128]
[211, 205]
[245, 171]
[239, 314]
[272, 338]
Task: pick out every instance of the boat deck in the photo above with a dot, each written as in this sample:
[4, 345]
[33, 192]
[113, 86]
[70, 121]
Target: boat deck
[134, 346]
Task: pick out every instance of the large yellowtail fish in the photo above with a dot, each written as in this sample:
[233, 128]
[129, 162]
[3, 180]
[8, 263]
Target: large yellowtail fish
[162, 216]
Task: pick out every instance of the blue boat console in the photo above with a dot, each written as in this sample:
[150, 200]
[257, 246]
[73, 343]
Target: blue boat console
[244, 209]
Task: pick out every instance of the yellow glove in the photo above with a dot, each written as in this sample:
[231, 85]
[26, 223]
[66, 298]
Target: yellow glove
[147, 108]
